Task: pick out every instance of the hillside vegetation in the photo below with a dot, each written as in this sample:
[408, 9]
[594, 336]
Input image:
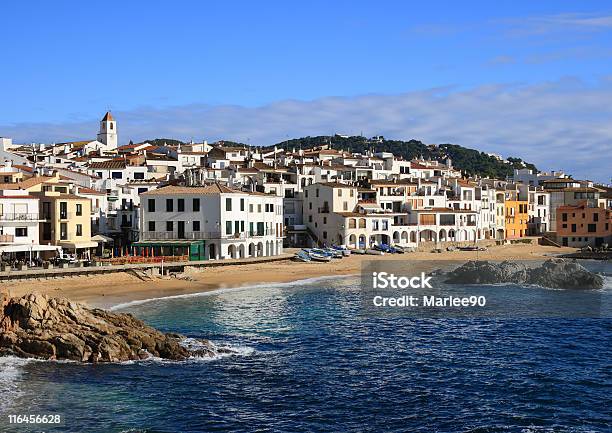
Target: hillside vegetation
[470, 161]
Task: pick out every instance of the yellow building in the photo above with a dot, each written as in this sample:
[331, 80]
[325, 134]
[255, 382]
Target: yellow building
[516, 218]
[67, 222]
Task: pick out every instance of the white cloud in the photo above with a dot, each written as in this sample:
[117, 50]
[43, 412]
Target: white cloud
[558, 125]
[565, 22]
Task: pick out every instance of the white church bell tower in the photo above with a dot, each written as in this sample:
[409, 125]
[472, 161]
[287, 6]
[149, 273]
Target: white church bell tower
[108, 131]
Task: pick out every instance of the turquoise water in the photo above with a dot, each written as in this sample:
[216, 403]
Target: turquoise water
[310, 360]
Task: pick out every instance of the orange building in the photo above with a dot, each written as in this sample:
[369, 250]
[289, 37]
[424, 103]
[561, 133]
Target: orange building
[581, 225]
[516, 218]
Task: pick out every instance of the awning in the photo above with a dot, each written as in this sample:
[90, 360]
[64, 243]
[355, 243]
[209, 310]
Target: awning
[27, 248]
[102, 239]
[78, 245]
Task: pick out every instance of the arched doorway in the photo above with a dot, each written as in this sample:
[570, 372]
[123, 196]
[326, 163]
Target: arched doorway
[231, 251]
[427, 236]
[241, 251]
[212, 252]
[251, 249]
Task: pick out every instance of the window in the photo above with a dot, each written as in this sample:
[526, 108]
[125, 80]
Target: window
[228, 204]
[79, 229]
[324, 220]
[117, 175]
[251, 208]
[111, 125]
[339, 192]
[180, 204]
[138, 176]
[228, 227]
[169, 226]
[196, 226]
[592, 228]
[324, 235]
[46, 231]
[21, 232]
[141, 190]
[306, 193]
[345, 206]
[63, 231]
[573, 228]
[63, 210]
[309, 218]
[595, 217]
[196, 205]
[151, 205]
[169, 205]
[317, 192]
[242, 204]
[79, 209]
[151, 226]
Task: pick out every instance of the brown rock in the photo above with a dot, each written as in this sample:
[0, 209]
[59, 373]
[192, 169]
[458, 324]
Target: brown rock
[36, 326]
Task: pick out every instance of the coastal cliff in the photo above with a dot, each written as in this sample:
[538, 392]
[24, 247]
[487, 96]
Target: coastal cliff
[36, 326]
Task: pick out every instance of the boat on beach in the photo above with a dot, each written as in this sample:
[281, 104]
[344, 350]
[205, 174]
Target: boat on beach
[302, 256]
[374, 252]
[344, 250]
[318, 255]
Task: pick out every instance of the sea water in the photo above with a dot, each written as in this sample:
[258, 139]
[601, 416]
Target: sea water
[308, 360]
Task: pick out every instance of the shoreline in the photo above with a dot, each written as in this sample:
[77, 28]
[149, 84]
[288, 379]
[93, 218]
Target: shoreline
[109, 290]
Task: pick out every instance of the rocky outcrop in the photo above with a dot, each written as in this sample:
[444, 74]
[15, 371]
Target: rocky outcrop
[35, 326]
[555, 274]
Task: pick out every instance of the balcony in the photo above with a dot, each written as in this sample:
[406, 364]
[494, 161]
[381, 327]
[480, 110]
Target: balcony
[172, 236]
[149, 236]
[7, 239]
[19, 217]
[259, 233]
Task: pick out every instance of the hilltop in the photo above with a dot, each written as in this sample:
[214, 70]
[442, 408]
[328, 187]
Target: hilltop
[470, 161]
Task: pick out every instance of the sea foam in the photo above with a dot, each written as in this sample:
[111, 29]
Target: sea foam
[219, 291]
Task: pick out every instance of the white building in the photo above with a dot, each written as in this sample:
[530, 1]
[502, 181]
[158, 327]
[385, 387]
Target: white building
[232, 223]
[19, 224]
[108, 132]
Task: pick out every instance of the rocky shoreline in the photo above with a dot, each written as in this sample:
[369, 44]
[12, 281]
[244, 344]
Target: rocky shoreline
[554, 274]
[36, 326]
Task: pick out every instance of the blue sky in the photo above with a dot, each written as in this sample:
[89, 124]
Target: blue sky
[528, 79]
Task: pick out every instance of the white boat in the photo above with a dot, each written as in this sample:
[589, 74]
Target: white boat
[302, 256]
[373, 252]
[358, 251]
[318, 257]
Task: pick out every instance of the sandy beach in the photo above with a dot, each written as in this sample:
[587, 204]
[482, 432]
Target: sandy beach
[106, 290]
